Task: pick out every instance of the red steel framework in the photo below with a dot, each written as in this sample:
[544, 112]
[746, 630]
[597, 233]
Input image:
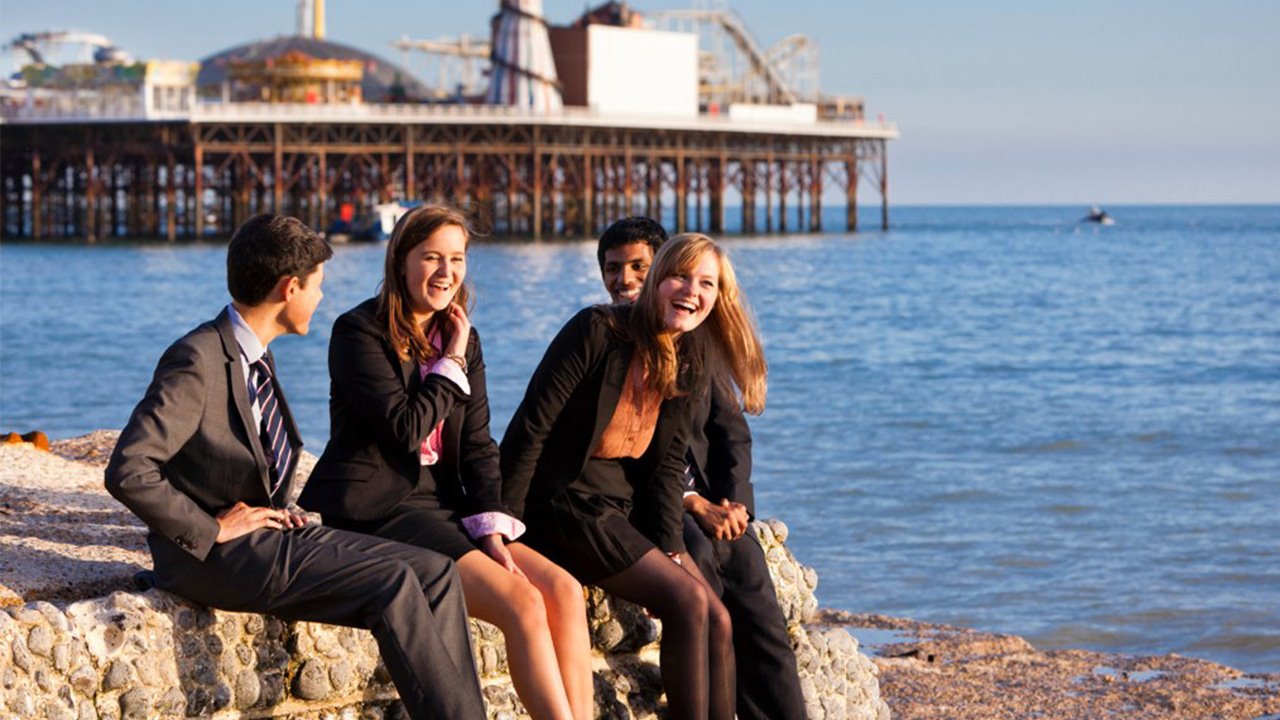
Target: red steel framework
[190, 179]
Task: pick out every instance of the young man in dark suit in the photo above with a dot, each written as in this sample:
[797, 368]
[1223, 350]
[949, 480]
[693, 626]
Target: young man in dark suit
[718, 505]
[207, 459]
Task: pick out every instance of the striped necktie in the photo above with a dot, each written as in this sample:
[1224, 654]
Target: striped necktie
[275, 440]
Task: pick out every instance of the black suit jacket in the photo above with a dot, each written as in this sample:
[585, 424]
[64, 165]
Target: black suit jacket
[380, 412]
[190, 450]
[720, 444]
[569, 402]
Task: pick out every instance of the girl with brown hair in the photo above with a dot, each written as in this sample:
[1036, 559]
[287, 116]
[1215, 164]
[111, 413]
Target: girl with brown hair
[410, 458]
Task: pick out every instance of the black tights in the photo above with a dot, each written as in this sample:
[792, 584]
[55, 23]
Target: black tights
[697, 637]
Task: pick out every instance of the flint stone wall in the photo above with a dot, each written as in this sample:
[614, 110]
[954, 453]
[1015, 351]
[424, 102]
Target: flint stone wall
[153, 654]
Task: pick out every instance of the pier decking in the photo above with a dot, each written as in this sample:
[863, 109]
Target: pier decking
[136, 173]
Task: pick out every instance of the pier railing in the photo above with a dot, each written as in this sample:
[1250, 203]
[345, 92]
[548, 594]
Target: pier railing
[68, 113]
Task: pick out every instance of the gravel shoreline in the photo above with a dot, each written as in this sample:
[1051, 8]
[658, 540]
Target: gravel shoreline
[930, 671]
[65, 539]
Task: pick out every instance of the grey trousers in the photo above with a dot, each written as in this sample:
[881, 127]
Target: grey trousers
[410, 598]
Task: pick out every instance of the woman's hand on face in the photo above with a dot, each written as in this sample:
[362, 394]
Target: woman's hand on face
[493, 546]
[459, 330]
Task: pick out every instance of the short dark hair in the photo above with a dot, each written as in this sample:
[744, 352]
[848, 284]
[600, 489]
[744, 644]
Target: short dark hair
[267, 248]
[631, 230]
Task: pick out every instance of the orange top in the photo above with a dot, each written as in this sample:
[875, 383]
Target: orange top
[631, 428]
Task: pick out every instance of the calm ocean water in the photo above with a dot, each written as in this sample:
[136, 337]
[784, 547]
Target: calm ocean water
[993, 417]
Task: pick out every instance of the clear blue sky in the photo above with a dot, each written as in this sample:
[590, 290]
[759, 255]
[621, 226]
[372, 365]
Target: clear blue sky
[998, 101]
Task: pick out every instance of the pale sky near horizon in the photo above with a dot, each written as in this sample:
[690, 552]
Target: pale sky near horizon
[998, 101]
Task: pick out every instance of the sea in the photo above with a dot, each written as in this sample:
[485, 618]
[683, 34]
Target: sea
[996, 417]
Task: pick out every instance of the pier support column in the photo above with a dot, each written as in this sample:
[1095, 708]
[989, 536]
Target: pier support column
[815, 195]
[537, 185]
[715, 202]
[277, 170]
[783, 188]
[884, 185]
[322, 188]
[171, 201]
[512, 178]
[410, 181]
[699, 187]
[851, 194]
[588, 197]
[628, 186]
[682, 195]
[198, 152]
[37, 196]
[768, 194]
[90, 223]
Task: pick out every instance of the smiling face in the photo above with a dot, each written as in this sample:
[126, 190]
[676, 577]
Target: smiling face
[434, 271]
[624, 270]
[687, 297]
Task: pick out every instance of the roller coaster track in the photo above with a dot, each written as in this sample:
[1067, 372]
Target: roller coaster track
[760, 61]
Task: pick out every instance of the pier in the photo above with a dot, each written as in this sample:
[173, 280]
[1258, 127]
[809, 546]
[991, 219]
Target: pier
[519, 174]
[608, 116]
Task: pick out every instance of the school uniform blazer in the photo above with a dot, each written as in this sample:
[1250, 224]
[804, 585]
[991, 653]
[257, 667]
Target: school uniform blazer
[720, 444]
[380, 411]
[569, 402]
[191, 450]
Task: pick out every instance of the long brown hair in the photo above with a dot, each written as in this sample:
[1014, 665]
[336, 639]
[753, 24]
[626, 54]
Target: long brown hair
[730, 328]
[395, 305]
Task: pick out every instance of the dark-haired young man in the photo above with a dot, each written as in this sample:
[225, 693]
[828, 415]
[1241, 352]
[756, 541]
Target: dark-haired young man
[206, 461]
[718, 505]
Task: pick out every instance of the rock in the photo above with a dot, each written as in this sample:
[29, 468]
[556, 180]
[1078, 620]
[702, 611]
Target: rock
[312, 682]
[40, 641]
[129, 654]
[247, 689]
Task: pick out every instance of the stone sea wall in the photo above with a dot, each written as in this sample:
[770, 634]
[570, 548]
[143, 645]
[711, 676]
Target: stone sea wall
[126, 654]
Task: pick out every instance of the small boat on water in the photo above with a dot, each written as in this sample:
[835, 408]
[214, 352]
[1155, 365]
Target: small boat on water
[1098, 216]
[375, 226]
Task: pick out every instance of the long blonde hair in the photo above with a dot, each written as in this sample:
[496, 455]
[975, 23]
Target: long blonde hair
[730, 328]
[395, 305]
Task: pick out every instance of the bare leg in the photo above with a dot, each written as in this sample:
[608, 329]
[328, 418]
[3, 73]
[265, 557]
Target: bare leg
[683, 603]
[516, 607]
[567, 619]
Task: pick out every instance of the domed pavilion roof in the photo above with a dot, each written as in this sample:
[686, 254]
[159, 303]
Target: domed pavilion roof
[379, 74]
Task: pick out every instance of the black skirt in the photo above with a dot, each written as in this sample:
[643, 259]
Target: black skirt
[585, 528]
[418, 520]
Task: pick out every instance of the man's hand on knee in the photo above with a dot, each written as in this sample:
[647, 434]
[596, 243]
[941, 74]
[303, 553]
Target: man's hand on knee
[241, 519]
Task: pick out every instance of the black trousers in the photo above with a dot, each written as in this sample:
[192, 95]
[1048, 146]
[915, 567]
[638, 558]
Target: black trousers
[768, 681]
[410, 598]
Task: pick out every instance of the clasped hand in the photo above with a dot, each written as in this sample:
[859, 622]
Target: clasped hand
[725, 521]
[241, 519]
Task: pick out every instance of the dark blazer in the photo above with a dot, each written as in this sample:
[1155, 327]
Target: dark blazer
[720, 444]
[186, 454]
[380, 412]
[569, 402]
